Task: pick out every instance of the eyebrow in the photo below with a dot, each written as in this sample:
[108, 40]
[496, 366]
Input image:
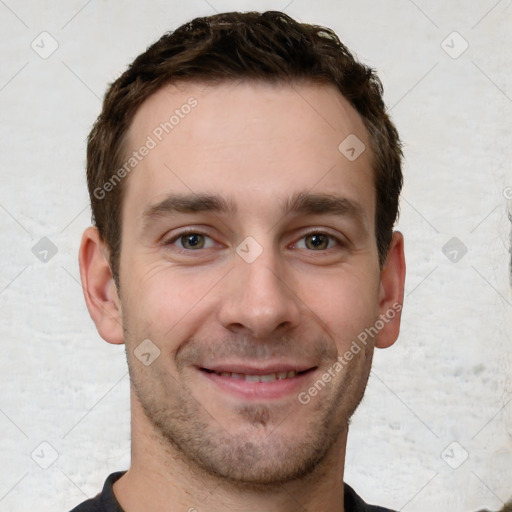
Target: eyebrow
[323, 204]
[190, 203]
[303, 203]
[187, 203]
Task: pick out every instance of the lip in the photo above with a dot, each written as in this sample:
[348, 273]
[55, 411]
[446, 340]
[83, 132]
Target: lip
[254, 391]
[257, 370]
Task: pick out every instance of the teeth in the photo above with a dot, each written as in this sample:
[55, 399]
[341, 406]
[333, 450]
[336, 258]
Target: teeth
[260, 378]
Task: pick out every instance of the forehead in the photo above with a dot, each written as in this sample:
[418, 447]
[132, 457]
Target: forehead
[233, 107]
[248, 138]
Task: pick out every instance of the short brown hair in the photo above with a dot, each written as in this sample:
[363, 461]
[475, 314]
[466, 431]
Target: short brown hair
[270, 47]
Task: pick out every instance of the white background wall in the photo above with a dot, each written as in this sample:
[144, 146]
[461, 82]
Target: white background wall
[446, 381]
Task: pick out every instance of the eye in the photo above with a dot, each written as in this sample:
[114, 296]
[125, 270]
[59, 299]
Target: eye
[317, 241]
[191, 241]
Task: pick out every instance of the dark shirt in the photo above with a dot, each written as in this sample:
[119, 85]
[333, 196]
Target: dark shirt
[106, 501]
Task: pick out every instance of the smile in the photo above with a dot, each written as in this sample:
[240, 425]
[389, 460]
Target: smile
[269, 377]
[251, 383]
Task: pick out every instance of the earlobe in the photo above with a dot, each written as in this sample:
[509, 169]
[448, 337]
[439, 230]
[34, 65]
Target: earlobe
[99, 288]
[391, 292]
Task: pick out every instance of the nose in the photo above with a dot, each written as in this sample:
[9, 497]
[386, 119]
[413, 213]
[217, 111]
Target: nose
[258, 298]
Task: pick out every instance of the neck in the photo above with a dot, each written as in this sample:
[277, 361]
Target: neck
[162, 479]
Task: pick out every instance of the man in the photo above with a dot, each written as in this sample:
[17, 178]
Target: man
[244, 179]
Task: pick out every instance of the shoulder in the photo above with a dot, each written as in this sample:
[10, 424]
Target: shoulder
[104, 501]
[353, 503]
[91, 505]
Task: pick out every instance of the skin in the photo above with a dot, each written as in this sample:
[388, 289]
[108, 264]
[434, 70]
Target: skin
[313, 289]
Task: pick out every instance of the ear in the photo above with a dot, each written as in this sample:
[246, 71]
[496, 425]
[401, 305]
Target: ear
[99, 288]
[391, 295]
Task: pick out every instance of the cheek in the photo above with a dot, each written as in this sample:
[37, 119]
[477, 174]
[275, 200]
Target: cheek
[345, 302]
[162, 300]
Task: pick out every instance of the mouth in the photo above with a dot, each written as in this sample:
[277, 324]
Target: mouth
[256, 377]
[251, 383]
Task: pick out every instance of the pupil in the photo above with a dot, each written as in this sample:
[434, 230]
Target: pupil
[192, 240]
[317, 241]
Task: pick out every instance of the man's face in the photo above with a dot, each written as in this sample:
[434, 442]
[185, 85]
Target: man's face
[249, 259]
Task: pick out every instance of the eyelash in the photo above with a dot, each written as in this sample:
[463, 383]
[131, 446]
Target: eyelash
[176, 237]
[182, 234]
